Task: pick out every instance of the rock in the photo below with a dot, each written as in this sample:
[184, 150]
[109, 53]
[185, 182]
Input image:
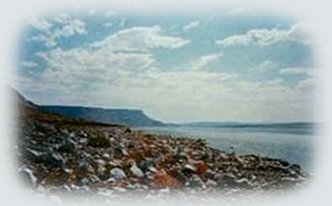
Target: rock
[244, 183]
[68, 146]
[124, 152]
[91, 179]
[81, 161]
[28, 175]
[136, 171]
[127, 130]
[117, 173]
[147, 165]
[231, 181]
[100, 162]
[101, 170]
[211, 183]
[162, 180]
[152, 169]
[114, 163]
[90, 169]
[210, 175]
[188, 170]
[181, 154]
[47, 157]
[228, 180]
[201, 168]
[106, 156]
[56, 160]
[119, 153]
[99, 141]
[83, 134]
[179, 176]
[35, 155]
[196, 181]
[295, 168]
[56, 177]
[83, 141]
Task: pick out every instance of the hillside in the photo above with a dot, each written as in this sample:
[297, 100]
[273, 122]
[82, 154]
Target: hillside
[119, 116]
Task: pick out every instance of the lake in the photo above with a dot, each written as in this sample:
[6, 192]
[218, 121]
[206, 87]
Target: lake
[295, 147]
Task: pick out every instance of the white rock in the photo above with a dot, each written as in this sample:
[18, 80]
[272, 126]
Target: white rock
[30, 173]
[136, 171]
[117, 173]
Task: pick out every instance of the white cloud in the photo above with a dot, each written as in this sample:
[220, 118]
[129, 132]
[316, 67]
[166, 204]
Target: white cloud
[141, 39]
[128, 80]
[125, 54]
[264, 66]
[300, 31]
[122, 22]
[119, 71]
[100, 77]
[191, 25]
[62, 18]
[47, 40]
[28, 83]
[265, 37]
[78, 66]
[68, 27]
[294, 71]
[28, 64]
[40, 24]
[192, 95]
[73, 27]
[306, 84]
[205, 60]
[108, 24]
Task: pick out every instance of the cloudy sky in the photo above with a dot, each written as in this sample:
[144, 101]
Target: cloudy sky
[233, 66]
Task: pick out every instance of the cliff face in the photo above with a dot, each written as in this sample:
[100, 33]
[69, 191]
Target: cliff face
[119, 116]
[108, 116]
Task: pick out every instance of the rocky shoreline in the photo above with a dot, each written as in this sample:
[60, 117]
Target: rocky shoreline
[75, 156]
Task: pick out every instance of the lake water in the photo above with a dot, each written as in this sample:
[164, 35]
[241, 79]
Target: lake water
[295, 147]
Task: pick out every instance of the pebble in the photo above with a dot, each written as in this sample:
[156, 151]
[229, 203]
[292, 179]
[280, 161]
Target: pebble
[117, 173]
[31, 177]
[121, 159]
[136, 171]
[164, 180]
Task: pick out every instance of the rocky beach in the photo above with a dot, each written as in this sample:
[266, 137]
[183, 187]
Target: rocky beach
[57, 153]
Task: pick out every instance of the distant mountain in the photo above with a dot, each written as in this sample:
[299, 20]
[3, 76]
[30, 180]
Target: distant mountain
[249, 124]
[30, 112]
[287, 127]
[82, 115]
[120, 116]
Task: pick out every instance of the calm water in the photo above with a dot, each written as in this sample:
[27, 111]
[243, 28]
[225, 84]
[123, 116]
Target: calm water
[295, 147]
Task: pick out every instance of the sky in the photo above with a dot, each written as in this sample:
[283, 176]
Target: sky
[236, 65]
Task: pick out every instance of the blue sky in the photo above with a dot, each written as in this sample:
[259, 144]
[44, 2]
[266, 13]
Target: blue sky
[236, 65]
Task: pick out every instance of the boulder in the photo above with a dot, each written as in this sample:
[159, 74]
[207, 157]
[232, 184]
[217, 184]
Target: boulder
[136, 171]
[164, 180]
[117, 173]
